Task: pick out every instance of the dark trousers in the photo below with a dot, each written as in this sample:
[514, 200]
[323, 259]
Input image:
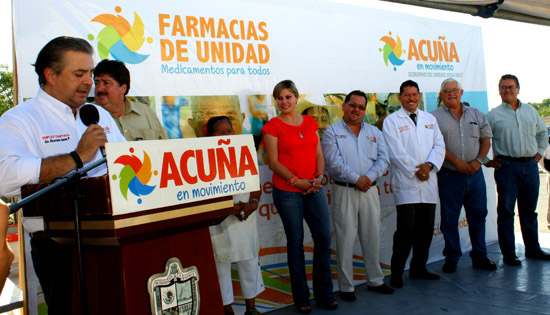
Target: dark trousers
[457, 190]
[53, 264]
[415, 224]
[517, 181]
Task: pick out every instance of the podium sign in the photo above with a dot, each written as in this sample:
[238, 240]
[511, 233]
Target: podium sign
[147, 175]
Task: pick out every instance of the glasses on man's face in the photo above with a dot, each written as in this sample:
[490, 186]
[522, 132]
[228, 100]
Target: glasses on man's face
[447, 91]
[509, 87]
[355, 106]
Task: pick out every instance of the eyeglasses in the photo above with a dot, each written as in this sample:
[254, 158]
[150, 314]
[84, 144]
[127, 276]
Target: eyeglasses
[355, 106]
[447, 91]
[509, 87]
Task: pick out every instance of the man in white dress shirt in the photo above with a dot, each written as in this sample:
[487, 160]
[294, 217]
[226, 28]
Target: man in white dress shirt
[44, 138]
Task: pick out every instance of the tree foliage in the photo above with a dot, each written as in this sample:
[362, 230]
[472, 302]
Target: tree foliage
[543, 108]
[6, 89]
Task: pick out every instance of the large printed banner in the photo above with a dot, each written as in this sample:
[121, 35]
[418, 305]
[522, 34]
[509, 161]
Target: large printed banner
[192, 60]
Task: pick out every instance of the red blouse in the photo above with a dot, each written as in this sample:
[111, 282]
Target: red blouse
[297, 148]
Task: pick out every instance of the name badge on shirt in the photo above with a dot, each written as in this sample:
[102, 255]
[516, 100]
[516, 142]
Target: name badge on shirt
[56, 138]
[404, 128]
[373, 139]
[430, 126]
[341, 136]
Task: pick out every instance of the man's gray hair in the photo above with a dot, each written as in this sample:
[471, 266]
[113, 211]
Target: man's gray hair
[449, 80]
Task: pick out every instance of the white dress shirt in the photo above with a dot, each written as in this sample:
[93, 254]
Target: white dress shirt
[39, 128]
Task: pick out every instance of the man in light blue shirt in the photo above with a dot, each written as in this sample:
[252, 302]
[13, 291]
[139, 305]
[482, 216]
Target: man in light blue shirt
[519, 141]
[355, 156]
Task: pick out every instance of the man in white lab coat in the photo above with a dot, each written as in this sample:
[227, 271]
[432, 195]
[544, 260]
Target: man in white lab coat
[417, 150]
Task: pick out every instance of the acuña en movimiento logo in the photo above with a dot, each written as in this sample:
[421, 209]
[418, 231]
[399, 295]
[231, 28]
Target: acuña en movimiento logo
[439, 53]
[120, 39]
[135, 175]
[392, 51]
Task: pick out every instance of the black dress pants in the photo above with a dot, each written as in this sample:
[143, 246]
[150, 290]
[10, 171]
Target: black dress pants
[53, 264]
[415, 226]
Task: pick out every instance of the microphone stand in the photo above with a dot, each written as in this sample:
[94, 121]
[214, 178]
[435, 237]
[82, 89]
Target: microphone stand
[73, 191]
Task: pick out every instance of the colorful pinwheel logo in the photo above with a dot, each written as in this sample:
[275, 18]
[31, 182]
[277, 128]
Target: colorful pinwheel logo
[392, 50]
[135, 175]
[120, 39]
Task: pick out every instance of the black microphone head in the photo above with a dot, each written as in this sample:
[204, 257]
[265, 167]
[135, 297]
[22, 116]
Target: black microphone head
[89, 114]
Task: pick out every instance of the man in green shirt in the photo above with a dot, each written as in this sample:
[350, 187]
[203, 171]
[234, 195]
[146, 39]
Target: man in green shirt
[136, 121]
[519, 140]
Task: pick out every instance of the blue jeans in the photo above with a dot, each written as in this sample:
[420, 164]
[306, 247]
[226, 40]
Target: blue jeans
[294, 207]
[517, 181]
[456, 190]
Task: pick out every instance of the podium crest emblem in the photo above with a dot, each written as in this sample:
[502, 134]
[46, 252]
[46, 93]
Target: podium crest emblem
[176, 291]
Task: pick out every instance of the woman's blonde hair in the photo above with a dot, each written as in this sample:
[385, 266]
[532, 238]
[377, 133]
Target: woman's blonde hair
[286, 84]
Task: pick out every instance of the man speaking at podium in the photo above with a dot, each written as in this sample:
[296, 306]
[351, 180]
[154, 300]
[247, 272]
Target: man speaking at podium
[44, 138]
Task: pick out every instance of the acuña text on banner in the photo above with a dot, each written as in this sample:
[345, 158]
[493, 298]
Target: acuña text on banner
[433, 50]
[220, 164]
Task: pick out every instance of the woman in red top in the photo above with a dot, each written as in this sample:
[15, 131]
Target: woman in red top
[294, 155]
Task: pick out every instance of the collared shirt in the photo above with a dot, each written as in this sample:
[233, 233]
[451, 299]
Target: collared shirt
[39, 128]
[139, 122]
[517, 133]
[347, 157]
[462, 136]
[410, 145]
[408, 112]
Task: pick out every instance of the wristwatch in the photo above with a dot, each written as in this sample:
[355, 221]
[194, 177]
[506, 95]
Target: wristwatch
[480, 160]
[431, 165]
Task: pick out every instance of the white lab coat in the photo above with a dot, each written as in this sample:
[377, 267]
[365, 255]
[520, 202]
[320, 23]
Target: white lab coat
[409, 146]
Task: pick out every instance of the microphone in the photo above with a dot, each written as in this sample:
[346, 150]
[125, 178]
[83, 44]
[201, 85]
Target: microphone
[90, 115]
